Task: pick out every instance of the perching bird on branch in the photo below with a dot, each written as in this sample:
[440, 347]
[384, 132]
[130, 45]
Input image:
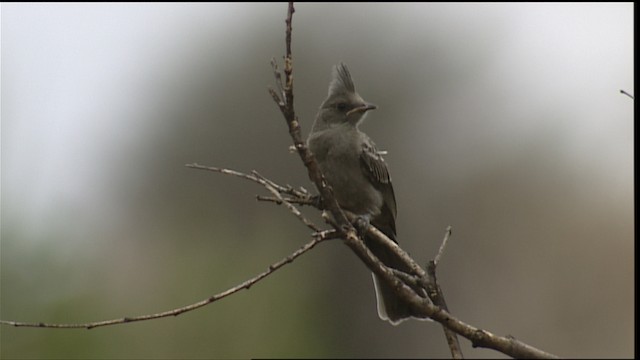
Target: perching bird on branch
[359, 177]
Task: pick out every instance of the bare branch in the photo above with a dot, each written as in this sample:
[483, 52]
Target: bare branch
[626, 93]
[293, 209]
[310, 202]
[338, 217]
[228, 172]
[175, 312]
[419, 288]
[272, 187]
[419, 304]
[278, 76]
[447, 234]
[301, 195]
[327, 234]
[437, 295]
[453, 342]
[287, 108]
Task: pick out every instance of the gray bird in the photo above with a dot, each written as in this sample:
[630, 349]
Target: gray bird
[358, 175]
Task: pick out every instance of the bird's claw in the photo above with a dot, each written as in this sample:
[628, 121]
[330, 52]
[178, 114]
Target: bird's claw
[316, 201]
[361, 224]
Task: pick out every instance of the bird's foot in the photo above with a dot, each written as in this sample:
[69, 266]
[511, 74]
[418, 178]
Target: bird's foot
[316, 201]
[361, 224]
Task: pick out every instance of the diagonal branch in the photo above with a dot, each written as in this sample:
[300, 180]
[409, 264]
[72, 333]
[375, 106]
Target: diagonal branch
[175, 312]
[626, 93]
[427, 301]
[436, 294]
[277, 191]
[271, 186]
[421, 305]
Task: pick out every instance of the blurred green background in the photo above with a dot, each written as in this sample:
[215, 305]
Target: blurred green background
[503, 120]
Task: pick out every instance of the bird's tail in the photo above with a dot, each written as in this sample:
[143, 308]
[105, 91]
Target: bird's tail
[390, 307]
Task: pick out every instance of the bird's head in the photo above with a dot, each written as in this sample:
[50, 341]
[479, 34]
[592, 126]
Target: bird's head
[343, 104]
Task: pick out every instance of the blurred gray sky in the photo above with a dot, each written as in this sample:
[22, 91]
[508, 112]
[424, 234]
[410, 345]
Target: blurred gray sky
[503, 120]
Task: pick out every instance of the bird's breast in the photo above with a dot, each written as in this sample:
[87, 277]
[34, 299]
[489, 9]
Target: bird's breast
[339, 159]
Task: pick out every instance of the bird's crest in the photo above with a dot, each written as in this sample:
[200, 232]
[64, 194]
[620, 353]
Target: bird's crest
[342, 82]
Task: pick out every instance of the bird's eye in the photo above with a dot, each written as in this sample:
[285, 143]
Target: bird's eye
[341, 106]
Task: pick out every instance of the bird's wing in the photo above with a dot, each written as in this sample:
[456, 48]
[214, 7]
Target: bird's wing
[375, 169]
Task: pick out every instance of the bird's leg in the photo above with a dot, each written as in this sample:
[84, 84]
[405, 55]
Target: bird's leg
[316, 201]
[361, 223]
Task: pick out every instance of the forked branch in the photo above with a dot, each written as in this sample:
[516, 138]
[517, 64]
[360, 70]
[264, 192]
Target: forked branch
[428, 302]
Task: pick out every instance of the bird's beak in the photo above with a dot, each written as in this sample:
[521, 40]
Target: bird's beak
[362, 109]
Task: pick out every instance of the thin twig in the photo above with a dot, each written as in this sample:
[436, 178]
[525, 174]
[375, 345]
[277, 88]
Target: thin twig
[278, 77]
[309, 202]
[228, 172]
[175, 312]
[268, 184]
[293, 209]
[626, 93]
[327, 234]
[255, 177]
[437, 295]
[447, 234]
[272, 187]
[268, 181]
